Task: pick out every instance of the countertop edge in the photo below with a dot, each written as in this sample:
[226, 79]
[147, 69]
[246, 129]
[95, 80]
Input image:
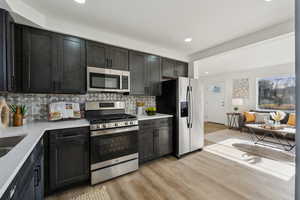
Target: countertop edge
[21, 163]
[151, 117]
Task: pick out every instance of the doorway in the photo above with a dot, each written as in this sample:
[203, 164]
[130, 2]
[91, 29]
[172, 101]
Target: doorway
[215, 103]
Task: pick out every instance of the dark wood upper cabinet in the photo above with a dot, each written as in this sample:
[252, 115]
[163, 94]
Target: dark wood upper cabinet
[39, 60]
[168, 68]
[52, 63]
[10, 53]
[7, 65]
[119, 58]
[145, 73]
[72, 65]
[97, 54]
[105, 56]
[3, 84]
[181, 69]
[137, 73]
[173, 69]
[153, 74]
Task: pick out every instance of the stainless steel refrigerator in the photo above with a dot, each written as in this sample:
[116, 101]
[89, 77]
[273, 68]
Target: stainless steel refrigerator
[183, 98]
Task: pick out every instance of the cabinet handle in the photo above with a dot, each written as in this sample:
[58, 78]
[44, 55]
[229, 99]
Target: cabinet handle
[29, 72]
[111, 63]
[107, 63]
[36, 177]
[69, 135]
[12, 82]
[12, 192]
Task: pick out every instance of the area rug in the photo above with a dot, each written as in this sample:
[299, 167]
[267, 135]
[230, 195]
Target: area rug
[238, 147]
[97, 194]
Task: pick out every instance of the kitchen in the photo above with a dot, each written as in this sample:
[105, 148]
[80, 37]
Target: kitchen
[88, 104]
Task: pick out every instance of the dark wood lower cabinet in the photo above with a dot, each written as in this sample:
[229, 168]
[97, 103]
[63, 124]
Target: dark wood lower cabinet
[68, 162]
[155, 139]
[29, 182]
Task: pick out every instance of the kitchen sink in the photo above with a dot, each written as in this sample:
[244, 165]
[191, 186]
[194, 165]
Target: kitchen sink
[8, 143]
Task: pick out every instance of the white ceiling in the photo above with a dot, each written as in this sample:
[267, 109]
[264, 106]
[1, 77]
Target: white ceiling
[279, 50]
[166, 23]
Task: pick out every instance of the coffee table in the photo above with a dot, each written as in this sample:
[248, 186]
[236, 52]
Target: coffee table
[280, 136]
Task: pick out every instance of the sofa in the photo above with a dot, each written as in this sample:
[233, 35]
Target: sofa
[242, 121]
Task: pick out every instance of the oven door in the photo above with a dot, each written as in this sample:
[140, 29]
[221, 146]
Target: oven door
[106, 80]
[109, 144]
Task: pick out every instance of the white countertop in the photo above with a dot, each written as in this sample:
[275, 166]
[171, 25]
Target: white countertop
[12, 162]
[157, 116]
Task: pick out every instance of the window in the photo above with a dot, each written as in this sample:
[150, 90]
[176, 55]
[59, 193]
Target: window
[276, 93]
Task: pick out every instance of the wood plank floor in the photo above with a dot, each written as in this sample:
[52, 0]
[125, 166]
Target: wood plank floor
[210, 127]
[198, 176]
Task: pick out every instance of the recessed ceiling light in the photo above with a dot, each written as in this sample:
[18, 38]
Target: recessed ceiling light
[188, 39]
[268, 0]
[80, 1]
[206, 72]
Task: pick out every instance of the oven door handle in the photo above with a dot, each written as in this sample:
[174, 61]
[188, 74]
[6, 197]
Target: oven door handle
[113, 131]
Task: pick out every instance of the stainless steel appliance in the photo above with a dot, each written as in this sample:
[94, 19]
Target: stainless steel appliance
[183, 98]
[107, 80]
[114, 140]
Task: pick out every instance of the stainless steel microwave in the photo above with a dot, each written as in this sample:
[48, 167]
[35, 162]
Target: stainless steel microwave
[107, 80]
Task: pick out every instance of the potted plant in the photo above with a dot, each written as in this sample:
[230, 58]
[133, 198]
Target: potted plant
[24, 113]
[19, 114]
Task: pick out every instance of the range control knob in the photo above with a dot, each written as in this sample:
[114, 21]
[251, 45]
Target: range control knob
[126, 123]
[116, 124]
[104, 125]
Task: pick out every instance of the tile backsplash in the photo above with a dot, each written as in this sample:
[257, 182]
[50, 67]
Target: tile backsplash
[37, 104]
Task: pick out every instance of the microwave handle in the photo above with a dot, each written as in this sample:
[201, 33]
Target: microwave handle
[121, 80]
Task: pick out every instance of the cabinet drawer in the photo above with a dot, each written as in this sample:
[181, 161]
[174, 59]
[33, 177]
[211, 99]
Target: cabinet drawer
[165, 122]
[145, 124]
[65, 134]
[155, 123]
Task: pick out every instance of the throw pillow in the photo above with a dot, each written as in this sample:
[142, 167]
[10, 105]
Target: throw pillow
[261, 117]
[292, 119]
[249, 116]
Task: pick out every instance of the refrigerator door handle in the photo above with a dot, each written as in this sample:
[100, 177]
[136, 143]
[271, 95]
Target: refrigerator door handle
[188, 107]
[192, 105]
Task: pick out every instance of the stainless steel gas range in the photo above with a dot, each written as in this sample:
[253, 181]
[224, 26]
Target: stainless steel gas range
[114, 140]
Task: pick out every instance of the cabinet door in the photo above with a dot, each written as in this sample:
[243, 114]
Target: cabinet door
[165, 141]
[153, 74]
[10, 53]
[147, 146]
[27, 191]
[72, 67]
[3, 86]
[181, 69]
[68, 159]
[97, 55]
[39, 60]
[137, 73]
[39, 178]
[119, 58]
[168, 68]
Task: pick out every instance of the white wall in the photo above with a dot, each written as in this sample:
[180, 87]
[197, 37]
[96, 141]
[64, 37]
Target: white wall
[32, 17]
[252, 75]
